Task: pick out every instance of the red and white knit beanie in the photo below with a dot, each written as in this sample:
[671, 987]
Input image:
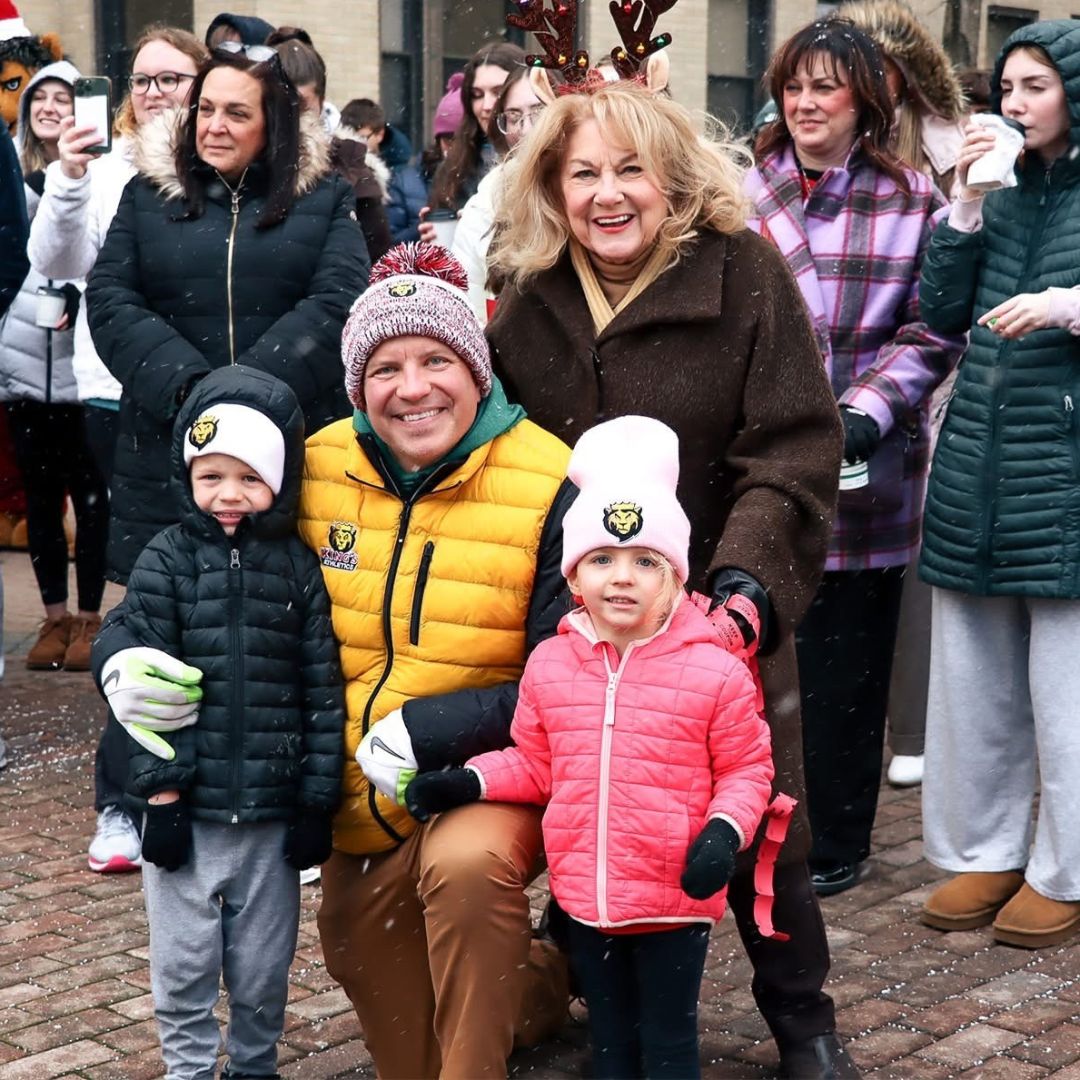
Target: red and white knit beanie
[415, 289]
[627, 471]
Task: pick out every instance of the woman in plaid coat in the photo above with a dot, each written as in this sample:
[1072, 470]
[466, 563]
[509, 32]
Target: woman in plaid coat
[853, 223]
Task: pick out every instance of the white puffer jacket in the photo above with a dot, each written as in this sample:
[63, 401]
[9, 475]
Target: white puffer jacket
[67, 233]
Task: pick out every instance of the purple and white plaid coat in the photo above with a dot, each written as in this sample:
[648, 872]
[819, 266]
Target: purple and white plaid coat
[856, 248]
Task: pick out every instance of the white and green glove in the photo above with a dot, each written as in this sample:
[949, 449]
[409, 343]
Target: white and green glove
[386, 756]
[149, 691]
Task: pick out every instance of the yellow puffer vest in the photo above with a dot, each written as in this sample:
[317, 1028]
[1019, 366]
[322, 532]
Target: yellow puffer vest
[427, 598]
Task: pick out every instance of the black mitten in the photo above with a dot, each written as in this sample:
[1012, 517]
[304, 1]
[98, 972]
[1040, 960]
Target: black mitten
[166, 840]
[861, 435]
[731, 581]
[433, 792]
[309, 840]
[710, 860]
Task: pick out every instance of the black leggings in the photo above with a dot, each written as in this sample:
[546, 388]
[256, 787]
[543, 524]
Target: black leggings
[54, 459]
[642, 994]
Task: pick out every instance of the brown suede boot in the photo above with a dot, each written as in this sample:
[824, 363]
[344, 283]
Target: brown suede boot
[47, 653]
[1034, 921]
[970, 900]
[83, 632]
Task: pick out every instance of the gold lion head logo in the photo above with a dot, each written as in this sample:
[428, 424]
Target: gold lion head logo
[342, 536]
[203, 430]
[402, 289]
[623, 520]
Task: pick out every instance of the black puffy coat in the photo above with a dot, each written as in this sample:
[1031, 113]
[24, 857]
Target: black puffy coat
[170, 299]
[251, 612]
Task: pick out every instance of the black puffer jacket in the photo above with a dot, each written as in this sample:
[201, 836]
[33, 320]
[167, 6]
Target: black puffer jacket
[169, 300]
[251, 612]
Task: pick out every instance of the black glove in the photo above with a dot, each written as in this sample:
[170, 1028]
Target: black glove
[433, 792]
[861, 435]
[166, 840]
[72, 296]
[309, 840]
[729, 582]
[710, 860]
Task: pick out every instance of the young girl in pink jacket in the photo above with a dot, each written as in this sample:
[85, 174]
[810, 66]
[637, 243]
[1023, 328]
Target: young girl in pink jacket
[641, 734]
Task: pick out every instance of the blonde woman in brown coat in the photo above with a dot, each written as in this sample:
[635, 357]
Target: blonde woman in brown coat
[630, 286]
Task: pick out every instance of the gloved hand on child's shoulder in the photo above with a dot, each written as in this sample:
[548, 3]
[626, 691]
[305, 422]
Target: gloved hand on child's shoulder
[166, 838]
[739, 603]
[150, 691]
[710, 860]
[433, 792]
[310, 839]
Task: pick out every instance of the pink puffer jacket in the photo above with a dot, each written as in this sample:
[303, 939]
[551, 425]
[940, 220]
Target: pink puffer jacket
[632, 759]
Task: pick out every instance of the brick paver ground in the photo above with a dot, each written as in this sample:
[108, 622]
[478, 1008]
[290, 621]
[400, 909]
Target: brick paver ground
[74, 984]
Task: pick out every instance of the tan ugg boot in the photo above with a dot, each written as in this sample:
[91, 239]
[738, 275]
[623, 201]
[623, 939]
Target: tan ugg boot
[83, 632]
[970, 900]
[1034, 921]
[47, 653]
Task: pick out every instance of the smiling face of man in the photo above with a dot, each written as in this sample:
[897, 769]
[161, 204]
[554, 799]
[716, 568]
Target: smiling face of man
[420, 398]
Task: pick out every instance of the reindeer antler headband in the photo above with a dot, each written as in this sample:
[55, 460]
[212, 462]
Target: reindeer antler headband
[635, 21]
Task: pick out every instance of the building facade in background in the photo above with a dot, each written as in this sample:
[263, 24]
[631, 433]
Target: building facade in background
[401, 52]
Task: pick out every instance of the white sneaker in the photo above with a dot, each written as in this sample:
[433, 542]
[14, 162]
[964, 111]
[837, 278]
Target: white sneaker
[116, 847]
[905, 770]
[310, 875]
[3, 753]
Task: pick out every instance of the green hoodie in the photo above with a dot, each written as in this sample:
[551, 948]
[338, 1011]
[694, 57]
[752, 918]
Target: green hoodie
[494, 416]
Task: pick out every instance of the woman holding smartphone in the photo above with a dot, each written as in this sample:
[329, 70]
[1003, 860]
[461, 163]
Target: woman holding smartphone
[37, 383]
[80, 197]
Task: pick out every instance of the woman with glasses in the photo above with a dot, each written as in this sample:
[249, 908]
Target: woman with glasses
[81, 194]
[516, 110]
[235, 245]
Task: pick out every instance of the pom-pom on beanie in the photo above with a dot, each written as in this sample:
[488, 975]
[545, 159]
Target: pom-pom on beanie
[241, 432]
[415, 289]
[451, 109]
[626, 471]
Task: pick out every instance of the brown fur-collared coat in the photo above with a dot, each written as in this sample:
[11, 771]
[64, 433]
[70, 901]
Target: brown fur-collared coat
[720, 348]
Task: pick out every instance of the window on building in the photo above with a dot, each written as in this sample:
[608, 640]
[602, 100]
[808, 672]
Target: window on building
[120, 23]
[1001, 22]
[737, 53]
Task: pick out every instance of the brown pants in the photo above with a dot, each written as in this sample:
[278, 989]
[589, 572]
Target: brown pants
[432, 943]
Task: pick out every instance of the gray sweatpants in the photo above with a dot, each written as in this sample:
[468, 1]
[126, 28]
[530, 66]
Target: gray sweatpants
[232, 912]
[1004, 708]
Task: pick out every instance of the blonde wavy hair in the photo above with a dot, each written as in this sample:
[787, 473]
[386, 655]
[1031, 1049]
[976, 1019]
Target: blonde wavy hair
[701, 176]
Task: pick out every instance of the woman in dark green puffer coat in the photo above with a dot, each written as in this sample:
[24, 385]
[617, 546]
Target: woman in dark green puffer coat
[1002, 527]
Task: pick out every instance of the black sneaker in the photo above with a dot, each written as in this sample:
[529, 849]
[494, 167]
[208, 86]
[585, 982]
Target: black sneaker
[835, 878]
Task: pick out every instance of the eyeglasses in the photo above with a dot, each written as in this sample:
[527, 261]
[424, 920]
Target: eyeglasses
[165, 81]
[259, 54]
[514, 119]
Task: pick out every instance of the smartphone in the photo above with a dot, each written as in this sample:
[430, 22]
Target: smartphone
[93, 108]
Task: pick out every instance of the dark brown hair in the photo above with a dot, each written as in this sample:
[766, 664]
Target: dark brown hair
[463, 161]
[301, 62]
[854, 56]
[281, 154]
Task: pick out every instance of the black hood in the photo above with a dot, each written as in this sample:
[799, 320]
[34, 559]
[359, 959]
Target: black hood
[241, 385]
[252, 30]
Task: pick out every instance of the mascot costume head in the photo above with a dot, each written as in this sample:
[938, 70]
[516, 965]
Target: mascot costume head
[21, 54]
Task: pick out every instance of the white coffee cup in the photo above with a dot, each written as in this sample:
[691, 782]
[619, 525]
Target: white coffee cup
[51, 304]
[854, 475]
[445, 224]
[996, 168]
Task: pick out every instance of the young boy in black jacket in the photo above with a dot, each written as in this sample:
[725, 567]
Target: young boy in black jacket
[221, 664]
